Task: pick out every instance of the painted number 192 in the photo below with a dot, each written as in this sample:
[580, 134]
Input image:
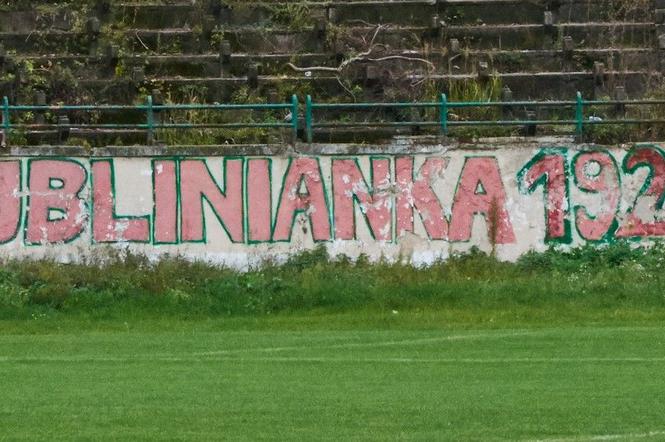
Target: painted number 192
[595, 173]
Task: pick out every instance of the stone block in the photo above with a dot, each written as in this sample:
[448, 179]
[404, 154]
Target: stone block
[157, 97]
[332, 14]
[506, 97]
[225, 53]
[253, 75]
[320, 27]
[506, 94]
[103, 7]
[659, 16]
[93, 26]
[530, 130]
[372, 73]
[568, 46]
[620, 95]
[454, 46]
[661, 41]
[111, 52]
[483, 70]
[549, 25]
[138, 74]
[40, 100]
[599, 73]
[63, 128]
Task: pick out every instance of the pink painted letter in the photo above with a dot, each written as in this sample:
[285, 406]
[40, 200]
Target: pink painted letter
[480, 191]
[197, 184]
[417, 195]
[349, 185]
[166, 201]
[10, 201]
[55, 186]
[312, 202]
[259, 199]
[107, 227]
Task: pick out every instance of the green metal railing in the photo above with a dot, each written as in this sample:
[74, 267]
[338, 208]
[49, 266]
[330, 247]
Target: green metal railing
[442, 108]
[445, 123]
[151, 122]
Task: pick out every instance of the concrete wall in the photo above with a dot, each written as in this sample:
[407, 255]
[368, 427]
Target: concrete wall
[413, 200]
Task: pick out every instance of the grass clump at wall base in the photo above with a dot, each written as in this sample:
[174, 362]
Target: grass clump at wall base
[586, 283]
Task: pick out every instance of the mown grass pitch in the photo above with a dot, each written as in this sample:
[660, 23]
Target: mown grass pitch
[196, 382]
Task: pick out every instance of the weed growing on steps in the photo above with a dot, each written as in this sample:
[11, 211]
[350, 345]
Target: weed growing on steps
[588, 280]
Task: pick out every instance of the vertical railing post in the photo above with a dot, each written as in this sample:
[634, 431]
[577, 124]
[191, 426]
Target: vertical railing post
[150, 120]
[6, 125]
[443, 113]
[308, 118]
[579, 116]
[294, 117]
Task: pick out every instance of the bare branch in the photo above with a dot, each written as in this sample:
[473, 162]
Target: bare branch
[403, 57]
[379, 28]
[141, 41]
[364, 56]
[313, 68]
[349, 91]
[361, 22]
[360, 59]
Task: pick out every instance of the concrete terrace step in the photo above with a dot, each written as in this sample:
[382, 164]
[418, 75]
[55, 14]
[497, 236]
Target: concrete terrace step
[175, 47]
[543, 85]
[208, 65]
[514, 11]
[282, 40]
[397, 12]
[587, 35]
[307, 14]
[229, 138]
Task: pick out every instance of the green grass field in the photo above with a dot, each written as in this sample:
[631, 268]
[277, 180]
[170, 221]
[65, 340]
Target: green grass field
[403, 376]
[560, 346]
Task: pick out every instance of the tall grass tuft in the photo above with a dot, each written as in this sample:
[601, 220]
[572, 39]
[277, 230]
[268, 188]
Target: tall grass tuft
[615, 276]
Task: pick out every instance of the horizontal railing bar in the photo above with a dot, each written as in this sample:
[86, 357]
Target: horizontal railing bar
[30, 108]
[624, 102]
[142, 107]
[371, 105]
[377, 124]
[155, 126]
[619, 122]
[335, 124]
[221, 106]
[457, 104]
[463, 104]
[78, 126]
[483, 123]
[15, 108]
[451, 104]
[514, 123]
[219, 125]
[450, 123]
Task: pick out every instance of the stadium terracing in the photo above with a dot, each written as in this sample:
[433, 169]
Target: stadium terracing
[239, 52]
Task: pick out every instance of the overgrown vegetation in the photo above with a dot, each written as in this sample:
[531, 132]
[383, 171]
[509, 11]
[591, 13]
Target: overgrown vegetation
[369, 62]
[598, 281]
